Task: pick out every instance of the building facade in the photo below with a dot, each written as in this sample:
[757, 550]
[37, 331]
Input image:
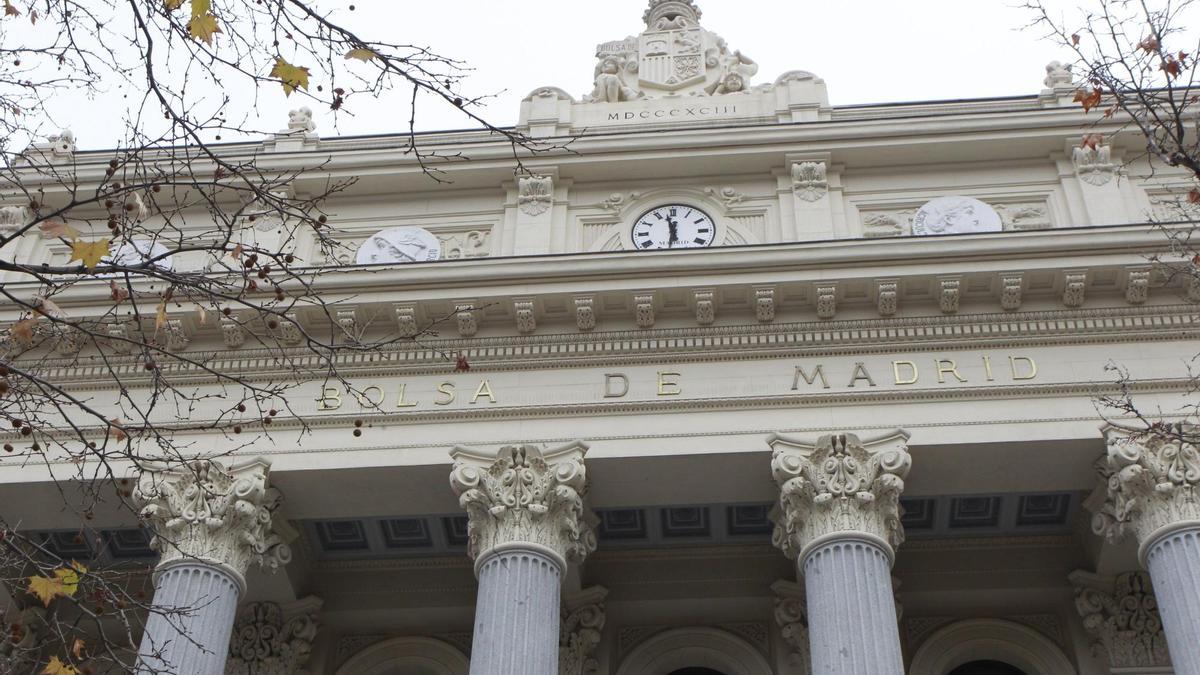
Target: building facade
[757, 385]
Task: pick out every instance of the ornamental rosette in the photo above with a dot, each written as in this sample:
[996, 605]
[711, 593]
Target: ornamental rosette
[525, 495]
[201, 511]
[1151, 481]
[840, 484]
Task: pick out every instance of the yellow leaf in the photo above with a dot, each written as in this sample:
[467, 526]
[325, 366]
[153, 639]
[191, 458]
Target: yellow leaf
[201, 7]
[65, 583]
[160, 316]
[56, 667]
[292, 77]
[203, 27]
[89, 253]
[172, 5]
[361, 53]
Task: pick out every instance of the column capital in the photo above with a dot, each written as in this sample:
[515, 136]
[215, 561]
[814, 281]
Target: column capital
[582, 622]
[273, 639]
[207, 513]
[839, 487]
[1150, 482]
[525, 497]
[1121, 616]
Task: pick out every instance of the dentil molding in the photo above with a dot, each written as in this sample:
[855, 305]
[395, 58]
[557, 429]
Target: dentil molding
[1150, 484]
[838, 486]
[204, 512]
[524, 495]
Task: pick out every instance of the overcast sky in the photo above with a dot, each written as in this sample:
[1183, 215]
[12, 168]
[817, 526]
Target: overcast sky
[866, 51]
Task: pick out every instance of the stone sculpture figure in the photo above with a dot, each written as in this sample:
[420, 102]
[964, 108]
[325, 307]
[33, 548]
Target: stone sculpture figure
[610, 87]
[1058, 75]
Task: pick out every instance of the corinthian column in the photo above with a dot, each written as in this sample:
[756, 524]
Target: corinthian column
[527, 520]
[839, 519]
[1152, 491]
[210, 524]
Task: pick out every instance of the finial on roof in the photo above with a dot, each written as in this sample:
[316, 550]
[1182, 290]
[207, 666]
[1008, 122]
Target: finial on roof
[671, 14]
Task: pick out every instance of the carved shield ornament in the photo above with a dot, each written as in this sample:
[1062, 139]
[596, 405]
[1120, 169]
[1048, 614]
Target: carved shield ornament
[672, 59]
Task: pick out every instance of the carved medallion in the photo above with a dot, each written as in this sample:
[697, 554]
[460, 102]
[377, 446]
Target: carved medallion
[399, 245]
[955, 215]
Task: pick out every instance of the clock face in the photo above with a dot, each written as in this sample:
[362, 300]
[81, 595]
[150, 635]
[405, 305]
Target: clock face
[673, 226]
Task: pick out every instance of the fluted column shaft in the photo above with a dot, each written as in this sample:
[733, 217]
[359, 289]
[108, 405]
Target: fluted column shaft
[517, 614]
[1174, 564]
[852, 623]
[188, 632]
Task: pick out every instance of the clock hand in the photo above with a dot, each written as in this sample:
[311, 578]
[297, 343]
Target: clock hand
[673, 227]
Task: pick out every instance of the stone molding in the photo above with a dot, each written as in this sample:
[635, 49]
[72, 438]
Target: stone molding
[791, 615]
[838, 487]
[204, 512]
[273, 639]
[525, 497]
[1120, 614]
[1150, 484]
[582, 622]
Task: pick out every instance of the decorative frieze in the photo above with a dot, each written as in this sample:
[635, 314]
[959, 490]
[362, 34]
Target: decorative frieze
[705, 311]
[585, 312]
[949, 292]
[809, 181]
[535, 194]
[887, 299]
[643, 310]
[582, 622]
[523, 312]
[1011, 286]
[469, 244]
[203, 511]
[1093, 164]
[525, 495]
[791, 616]
[1151, 483]
[1121, 617]
[897, 222]
[764, 304]
[273, 639]
[826, 301]
[1137, 287]
[839, 484]
[728, 195]
[1074, 285]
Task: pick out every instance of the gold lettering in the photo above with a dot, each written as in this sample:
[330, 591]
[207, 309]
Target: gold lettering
[448, 393]
[1012, 364]
[860, 373]
[331, 399]
[400, 402]
[906, 380]
[609, 379]
[987, 368]
[484, 389]
[809, 379]
[663, 385]
[952, 368]
[364, 397]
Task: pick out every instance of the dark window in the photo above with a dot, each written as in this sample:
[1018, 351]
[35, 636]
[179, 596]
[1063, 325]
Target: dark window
[986, 668]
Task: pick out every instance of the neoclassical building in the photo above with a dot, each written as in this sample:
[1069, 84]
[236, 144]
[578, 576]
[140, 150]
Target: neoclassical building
[757, 385]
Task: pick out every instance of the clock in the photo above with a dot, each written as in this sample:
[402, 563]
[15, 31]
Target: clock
[673, 226]
[399, 245]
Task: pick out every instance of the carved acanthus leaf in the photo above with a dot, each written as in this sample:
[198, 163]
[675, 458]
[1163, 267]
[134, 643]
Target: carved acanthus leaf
[585, 313]
[1011, 291]
[526, 320]
[809, 181]
[949, 294]
[705, 310]
[1137, 289]
[840, 484]
[1151, 480]
[888, 301]
[1121, 617]
[203, 511]
[535, 194]
[826, 301]
[582, 623]
[524, 494]
[643, 305]
[791, 616]
[1074, 285]
[764, 304]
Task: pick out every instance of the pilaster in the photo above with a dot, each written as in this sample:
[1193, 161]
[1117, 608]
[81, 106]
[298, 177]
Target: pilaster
[582, 623]
[1121, 617]
[791, 617]
[273, 639]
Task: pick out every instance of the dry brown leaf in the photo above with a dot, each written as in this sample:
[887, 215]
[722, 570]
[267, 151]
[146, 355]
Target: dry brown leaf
[77, 648]
[9, 10]
[23, 330]
[1092, 141]
[160, 316]
[115, 425]
[58, 228]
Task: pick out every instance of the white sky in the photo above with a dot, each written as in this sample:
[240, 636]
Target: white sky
[866, 51]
